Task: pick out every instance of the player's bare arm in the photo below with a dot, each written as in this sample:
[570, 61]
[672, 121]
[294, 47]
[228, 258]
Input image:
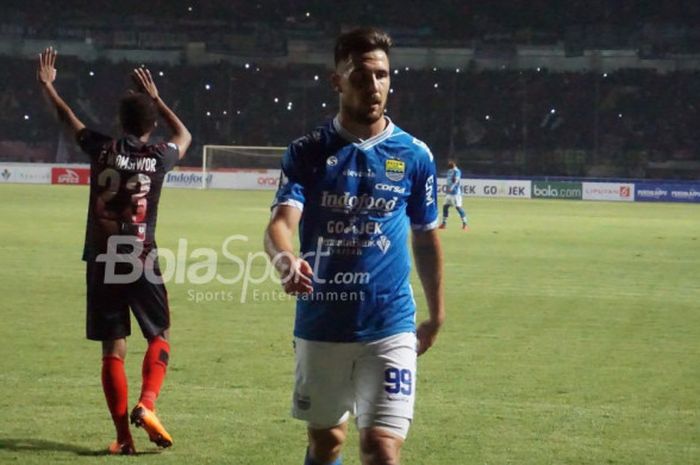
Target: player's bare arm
[296, 273]
[427, 252]
[46, 75]
[181, 135]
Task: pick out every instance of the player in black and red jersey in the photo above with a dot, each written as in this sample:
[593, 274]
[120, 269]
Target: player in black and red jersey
[126, 177]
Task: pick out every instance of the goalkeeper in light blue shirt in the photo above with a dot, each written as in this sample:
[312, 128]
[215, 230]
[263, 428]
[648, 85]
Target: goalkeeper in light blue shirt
[453, 196]
[356, 188]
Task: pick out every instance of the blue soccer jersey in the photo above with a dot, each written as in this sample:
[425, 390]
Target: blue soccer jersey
[454, 178]
[359, 200]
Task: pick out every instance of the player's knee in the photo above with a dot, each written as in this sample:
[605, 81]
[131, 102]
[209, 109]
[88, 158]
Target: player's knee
[380, 447]
[114, 348]
[165, 335]
[325, 444]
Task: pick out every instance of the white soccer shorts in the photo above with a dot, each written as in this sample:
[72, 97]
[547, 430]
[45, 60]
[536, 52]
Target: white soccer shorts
[375, 380]
[453, 200]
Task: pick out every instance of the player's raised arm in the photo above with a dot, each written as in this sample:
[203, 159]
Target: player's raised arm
[46, 75]
[427, 253]
[181, 135]
[296, 274]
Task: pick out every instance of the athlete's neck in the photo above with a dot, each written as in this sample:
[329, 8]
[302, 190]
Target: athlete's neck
[361, 130]
[144, 138]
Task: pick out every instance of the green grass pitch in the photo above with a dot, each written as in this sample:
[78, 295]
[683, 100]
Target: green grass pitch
[573, 337]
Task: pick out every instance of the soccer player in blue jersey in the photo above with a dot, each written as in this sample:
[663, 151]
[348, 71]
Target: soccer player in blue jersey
[454, 196]
[126, 177]
[355, 187]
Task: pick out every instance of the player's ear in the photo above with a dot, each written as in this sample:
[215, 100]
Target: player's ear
[335, 81]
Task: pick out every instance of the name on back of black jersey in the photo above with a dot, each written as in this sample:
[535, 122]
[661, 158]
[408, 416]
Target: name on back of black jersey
[123, 162]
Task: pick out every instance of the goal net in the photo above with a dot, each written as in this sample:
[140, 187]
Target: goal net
[222, 158]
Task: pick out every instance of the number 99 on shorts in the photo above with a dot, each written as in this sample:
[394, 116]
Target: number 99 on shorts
[398, 381]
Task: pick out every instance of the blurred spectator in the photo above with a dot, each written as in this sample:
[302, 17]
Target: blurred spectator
[495, 122]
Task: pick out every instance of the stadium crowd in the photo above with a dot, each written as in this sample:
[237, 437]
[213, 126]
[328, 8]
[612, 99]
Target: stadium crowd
[495, 122]
[659, 26]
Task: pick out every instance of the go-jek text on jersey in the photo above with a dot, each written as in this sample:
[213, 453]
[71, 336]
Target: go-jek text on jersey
[359, 199]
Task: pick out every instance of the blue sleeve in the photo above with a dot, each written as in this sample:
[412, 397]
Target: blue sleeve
[290, 190]
[422, 206]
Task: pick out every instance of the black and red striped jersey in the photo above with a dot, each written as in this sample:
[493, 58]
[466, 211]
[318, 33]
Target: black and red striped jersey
[126, 178]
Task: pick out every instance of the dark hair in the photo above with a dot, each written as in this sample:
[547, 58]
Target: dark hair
[361, 40]
[137, 113]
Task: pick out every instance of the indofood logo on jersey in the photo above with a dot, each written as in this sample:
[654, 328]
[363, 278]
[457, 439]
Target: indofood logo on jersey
[395, 169]
[347, 201]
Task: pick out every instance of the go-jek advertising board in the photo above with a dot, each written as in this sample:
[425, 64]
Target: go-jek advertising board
[516, 189]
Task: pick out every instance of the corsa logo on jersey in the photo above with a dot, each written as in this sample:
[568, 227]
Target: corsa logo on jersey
[390, 188]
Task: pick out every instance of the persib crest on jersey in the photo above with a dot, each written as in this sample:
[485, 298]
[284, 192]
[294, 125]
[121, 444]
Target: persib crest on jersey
[395, 169]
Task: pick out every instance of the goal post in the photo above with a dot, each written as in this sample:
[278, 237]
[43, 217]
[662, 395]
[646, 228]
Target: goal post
[238, 157]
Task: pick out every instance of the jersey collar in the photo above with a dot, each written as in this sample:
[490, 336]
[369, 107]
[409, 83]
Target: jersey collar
[364, 143]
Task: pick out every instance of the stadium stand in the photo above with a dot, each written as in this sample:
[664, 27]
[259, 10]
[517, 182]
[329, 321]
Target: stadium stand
[633, 123]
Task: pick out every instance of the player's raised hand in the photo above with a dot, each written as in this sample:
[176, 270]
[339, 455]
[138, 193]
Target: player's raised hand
[298, 277]
[426, 334]
[46, 71]
[144, 82]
